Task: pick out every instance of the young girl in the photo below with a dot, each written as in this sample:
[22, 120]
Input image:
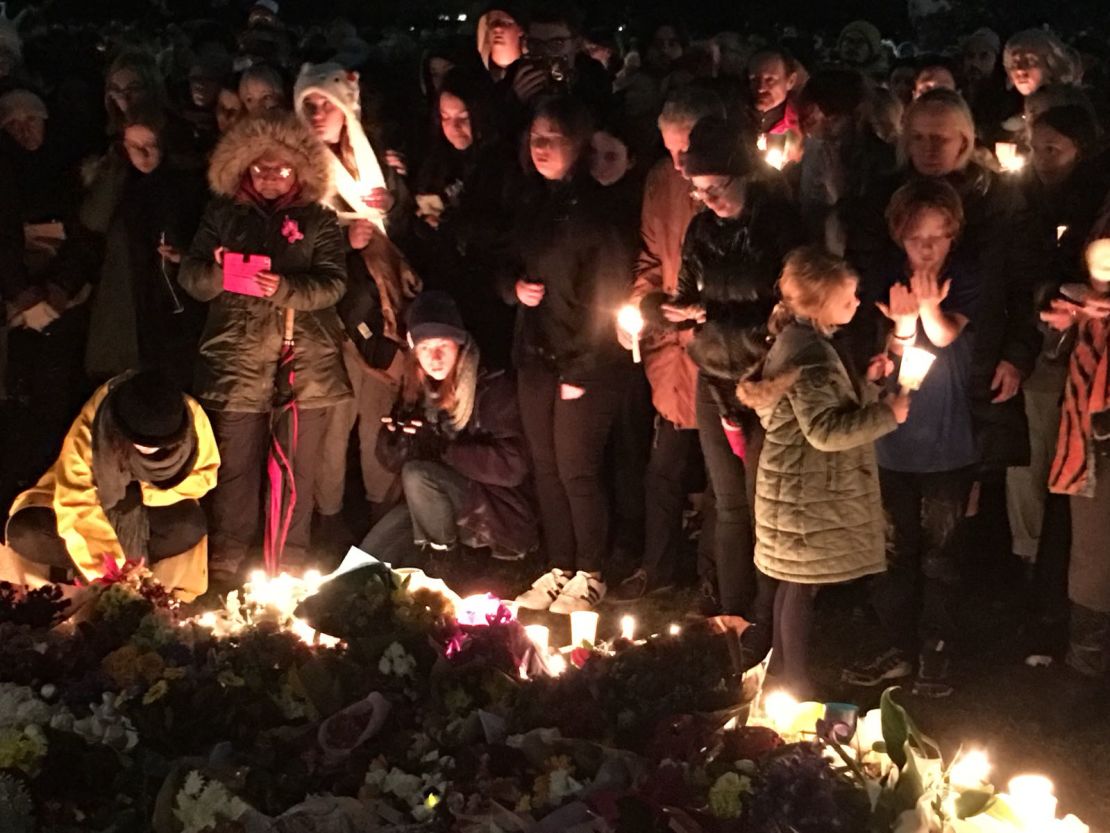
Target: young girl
[818, 513]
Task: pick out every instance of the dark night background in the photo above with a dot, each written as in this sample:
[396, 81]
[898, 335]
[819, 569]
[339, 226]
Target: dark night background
[703, 17]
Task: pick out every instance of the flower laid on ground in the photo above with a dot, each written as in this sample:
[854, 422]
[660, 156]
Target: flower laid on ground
[396, 661]
[205, 805]
[727, 794]
[17, 810]
[22, 749]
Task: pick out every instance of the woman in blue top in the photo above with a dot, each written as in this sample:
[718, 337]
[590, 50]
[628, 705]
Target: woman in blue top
[926, 466]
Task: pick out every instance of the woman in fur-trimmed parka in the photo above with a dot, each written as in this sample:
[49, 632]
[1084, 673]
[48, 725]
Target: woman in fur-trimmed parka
[269, 176]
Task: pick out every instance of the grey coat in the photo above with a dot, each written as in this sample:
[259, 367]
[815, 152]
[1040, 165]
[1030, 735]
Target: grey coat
[819, 518]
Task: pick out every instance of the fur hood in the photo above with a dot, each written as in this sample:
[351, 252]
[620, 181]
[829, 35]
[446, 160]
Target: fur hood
[763, 395]
[252, 138]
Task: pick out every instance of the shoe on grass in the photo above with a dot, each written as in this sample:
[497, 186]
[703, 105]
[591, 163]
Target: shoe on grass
[545, 590]
[583, 592]
[886, 667]
[635, 587]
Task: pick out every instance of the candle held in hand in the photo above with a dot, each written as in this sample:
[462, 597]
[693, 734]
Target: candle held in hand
[1008, 157]
[915, 365]
[631, 321]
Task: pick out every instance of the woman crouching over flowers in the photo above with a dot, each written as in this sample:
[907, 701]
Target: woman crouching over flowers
[456, 438]
[818, 514]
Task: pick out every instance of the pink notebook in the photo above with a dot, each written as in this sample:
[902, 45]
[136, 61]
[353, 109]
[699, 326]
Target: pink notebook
[239, 272]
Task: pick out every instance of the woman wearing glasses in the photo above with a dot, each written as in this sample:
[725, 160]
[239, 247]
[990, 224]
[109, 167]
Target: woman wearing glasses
[268, 176]
[731, 257]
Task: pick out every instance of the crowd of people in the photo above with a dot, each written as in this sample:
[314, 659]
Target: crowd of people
[791, 222]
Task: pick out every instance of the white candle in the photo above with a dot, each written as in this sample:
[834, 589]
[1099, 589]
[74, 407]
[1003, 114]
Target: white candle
[1060, 232]
[915, 364]
[775, 158]
[870, 730]
[1098, 260]
[583, 628]
[540, 636]
[761, 142]
[631, 321]
[628, 627]
[1033, 801]
[556, 664]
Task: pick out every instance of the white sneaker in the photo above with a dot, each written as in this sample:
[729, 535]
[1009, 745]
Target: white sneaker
[545, 590]
[583, 592]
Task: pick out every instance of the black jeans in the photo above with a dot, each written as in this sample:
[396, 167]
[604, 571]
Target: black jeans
[236, 504]
[665, 485]
[734, 543]
[793, 619]
[917, 595]
[631, 441]
[33, 533]
[567, 439]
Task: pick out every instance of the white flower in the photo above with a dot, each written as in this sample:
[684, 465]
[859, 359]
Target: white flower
[397, 662]
[562, 786]
[201, 805]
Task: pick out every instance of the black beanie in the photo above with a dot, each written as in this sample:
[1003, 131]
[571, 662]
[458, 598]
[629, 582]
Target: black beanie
[1075, 122]
[149, 410]
[434, 315]
[717, 148]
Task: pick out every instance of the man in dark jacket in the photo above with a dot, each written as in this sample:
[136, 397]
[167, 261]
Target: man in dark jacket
[268, 175]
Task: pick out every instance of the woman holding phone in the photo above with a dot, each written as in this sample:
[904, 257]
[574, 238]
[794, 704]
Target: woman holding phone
[268, 175]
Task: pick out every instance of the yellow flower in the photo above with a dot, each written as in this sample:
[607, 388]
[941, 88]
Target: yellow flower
[23, 750]
[156, 692]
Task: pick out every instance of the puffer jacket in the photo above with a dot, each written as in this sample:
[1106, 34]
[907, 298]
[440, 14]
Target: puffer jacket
[818, 513]
[242, 336]
[731, 266]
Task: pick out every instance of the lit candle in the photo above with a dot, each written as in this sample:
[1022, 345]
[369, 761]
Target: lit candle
[1008, 157]
[1098, 260]
[540, 635]
[915, 364]
[556, 664]
[628, 627]
[583, 627]
[970, 771]
[781, 709]
[1033, 801]
[631, 321]
[674, 630]
[1060, 232]
[1070, 824]
[775, 158]
[761, 142]
[870, 730]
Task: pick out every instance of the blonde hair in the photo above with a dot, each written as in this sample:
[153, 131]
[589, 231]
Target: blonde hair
[809, 275]
[940, 100]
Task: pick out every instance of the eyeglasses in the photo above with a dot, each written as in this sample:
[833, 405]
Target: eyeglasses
[713, 192]
[271, 172]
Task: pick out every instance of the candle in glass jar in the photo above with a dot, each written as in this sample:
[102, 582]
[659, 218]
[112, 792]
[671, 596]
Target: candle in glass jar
[915, 365]
[583, 627]
[628, 627]
[540, 636]
[1033, 800]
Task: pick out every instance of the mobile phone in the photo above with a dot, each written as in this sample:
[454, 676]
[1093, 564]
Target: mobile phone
[240, 271]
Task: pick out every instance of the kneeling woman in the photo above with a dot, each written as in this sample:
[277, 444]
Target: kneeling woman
[126, 487]
[456, 438]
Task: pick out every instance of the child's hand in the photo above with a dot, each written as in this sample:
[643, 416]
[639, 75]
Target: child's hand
[902, 310]
[928, 289]
[899, 405]
[879, 368]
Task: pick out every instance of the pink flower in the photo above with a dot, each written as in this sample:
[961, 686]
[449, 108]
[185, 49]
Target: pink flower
[291, 231]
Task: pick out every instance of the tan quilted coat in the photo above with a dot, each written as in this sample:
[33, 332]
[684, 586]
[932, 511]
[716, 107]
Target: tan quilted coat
[819, 519]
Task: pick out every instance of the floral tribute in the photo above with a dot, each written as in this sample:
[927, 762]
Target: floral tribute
[378, 700]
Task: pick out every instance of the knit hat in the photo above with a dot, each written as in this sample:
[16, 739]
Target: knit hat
[717, 148]
[20, 103]
[986, 37]
[435, 315]
[340, 86]
[868, 31]
[268, 5]
[149, 410]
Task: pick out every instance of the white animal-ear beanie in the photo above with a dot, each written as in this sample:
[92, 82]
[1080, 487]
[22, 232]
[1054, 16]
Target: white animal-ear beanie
[340, 86]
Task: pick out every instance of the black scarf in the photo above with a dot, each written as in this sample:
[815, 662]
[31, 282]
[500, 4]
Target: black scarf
[119, 470]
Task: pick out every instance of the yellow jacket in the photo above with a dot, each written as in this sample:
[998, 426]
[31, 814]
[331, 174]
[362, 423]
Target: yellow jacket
[69, 490]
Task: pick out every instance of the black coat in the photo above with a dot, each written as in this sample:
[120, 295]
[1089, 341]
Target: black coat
[490, 452]
[731, 266]
[564, 237]
[1001, 241]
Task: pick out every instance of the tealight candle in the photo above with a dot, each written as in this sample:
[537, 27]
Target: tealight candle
[631, 321]
[1033, 801]
[915, 365]
[540, 636]
[583, 627]
[628, 627]
[970, 771]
